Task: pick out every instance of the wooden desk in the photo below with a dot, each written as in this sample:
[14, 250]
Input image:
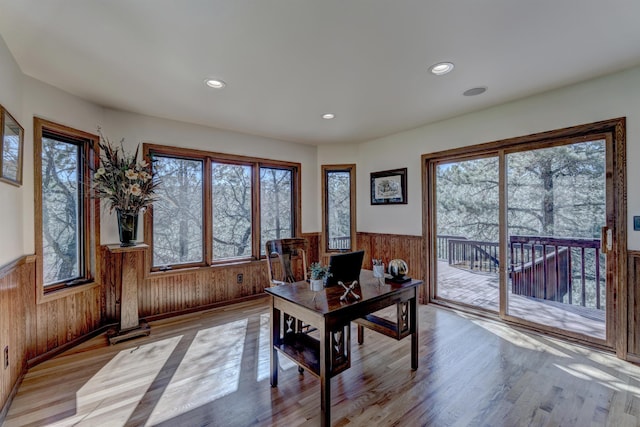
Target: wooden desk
[331, 354]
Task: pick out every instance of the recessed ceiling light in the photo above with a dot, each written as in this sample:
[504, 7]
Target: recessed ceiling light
[215, 83]
[328, 116]
[474, 91]
[441, 68]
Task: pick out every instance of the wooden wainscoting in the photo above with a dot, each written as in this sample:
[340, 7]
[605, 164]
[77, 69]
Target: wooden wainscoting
[16, 302]
[391, 246]
[66, 320]
[162, 294]
[314, 247]
[179, 292]
[33, 332]
[633, 300]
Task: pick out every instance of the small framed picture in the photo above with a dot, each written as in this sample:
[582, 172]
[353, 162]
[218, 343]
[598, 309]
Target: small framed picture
[11, 143]
[389, 187]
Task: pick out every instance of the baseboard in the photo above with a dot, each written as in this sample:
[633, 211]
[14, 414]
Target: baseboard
[633, 359]
[64, 347]
[14, 391]
[202, 307]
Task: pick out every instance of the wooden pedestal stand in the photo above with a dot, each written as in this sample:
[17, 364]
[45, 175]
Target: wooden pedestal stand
[128, 263]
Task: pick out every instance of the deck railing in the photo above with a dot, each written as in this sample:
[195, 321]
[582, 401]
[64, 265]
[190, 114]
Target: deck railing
[340, 243]
[442, 245]
[557, 269]
[474, 255]
[551, 268]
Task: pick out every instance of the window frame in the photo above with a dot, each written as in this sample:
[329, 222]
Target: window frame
[326, 169]
[89, 205]
[149, 150]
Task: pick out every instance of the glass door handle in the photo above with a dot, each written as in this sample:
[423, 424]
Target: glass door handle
[606, 239]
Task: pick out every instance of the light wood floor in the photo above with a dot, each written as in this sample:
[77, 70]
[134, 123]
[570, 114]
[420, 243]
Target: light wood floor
[482, 289]
[211, 369]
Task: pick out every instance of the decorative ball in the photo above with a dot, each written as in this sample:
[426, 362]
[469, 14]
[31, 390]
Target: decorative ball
[398, 268]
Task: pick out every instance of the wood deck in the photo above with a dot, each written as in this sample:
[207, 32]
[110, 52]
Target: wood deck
[212, 369]
[482, 290]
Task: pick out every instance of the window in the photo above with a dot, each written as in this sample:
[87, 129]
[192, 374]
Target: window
[338, 211]
[276, 209]
[216, 208]
[231, 206]
[65, 230]
[178, 213]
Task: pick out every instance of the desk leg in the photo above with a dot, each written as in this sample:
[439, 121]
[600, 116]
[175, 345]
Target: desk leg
[325, 377]
[275, 339]
[413, 314]
[360, 334]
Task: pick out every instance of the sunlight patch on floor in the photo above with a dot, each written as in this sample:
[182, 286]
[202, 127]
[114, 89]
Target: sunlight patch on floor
[592, 373]
[112, 394]
[518, 338]
[264, 351]
[211, 367]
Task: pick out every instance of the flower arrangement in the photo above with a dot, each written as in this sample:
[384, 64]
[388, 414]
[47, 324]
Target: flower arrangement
[318, 271]
[127, 184]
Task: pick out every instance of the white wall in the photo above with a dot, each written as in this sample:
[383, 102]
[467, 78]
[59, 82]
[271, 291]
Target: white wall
[47, 102]
[616, 95]
[11, 222]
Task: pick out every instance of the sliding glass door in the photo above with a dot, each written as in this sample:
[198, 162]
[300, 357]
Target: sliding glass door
[532, 230]
[556, 210]
[467, 232]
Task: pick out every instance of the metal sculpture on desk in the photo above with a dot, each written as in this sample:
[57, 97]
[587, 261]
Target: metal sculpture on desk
[349, 290]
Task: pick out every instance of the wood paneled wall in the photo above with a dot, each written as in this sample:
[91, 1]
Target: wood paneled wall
[34, 331]
[633, 300]
[180, 291]
[391, 246]
[64, 320]
[314, 247]
[14, 297]
[172, 292]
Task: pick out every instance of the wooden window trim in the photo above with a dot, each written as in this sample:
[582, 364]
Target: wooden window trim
[209, 158]
[91, 212]
[325, 169]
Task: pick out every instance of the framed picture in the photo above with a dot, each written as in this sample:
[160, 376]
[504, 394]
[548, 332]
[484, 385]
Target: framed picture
[389, 187]
[11, 144]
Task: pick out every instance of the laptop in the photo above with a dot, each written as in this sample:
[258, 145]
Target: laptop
[345, 267]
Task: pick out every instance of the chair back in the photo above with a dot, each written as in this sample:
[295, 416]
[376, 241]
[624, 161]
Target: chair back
[279, 254]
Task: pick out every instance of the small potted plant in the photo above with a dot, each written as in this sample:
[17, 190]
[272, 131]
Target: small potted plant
[318, 273]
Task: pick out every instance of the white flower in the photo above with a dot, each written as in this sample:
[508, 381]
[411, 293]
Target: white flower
[143, 164]
[135, 190]
[131, 174]
[99, 172]
[145, 176]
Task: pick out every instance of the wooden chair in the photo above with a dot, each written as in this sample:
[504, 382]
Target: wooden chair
[284, 272]
[284, 250]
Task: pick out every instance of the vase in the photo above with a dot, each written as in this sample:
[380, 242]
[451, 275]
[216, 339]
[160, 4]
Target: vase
[316, 285]
[127, 228]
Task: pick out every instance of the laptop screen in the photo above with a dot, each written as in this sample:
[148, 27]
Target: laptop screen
[345, 267]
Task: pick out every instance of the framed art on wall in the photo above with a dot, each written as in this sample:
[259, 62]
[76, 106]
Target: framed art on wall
[11, 146]
[389, 187]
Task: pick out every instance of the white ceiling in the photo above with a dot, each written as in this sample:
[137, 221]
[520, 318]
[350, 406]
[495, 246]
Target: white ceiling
[286, 62]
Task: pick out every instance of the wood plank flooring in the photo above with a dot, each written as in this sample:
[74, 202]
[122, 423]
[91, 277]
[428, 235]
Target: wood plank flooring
[212, 369]
[482, 289]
